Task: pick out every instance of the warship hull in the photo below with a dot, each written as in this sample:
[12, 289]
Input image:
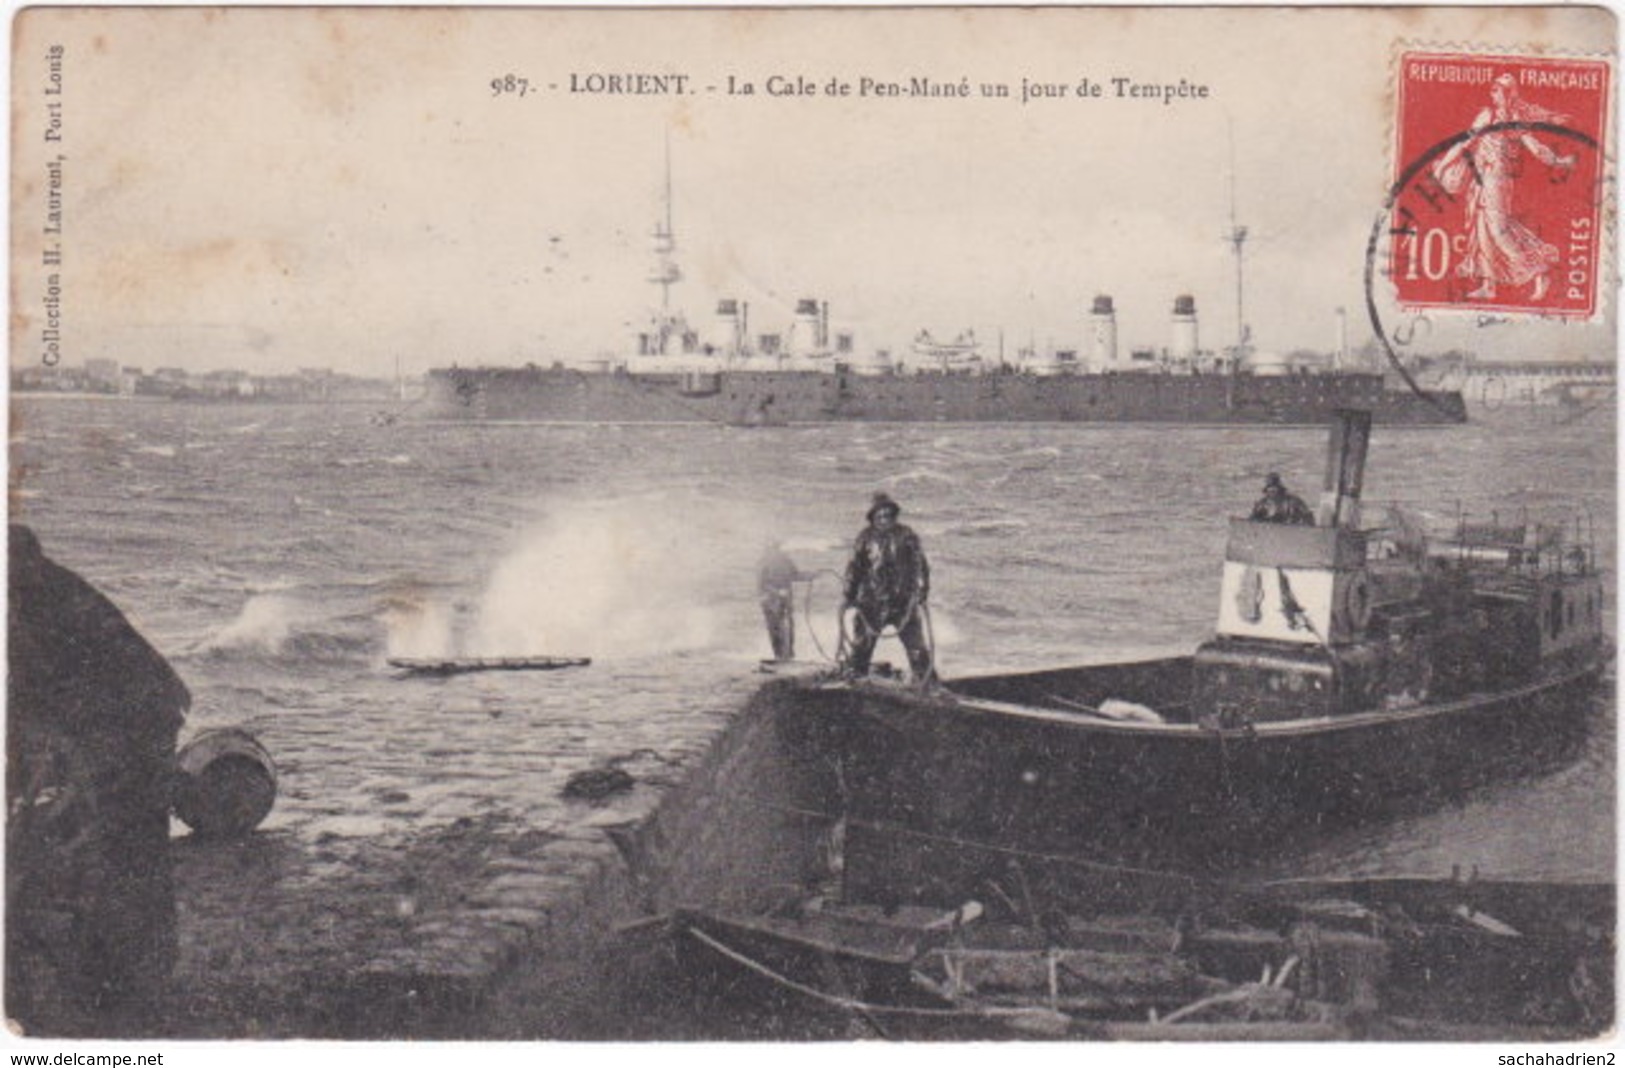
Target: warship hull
[778, 398]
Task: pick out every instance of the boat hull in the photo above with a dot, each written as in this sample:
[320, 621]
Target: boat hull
[763, 398]
[937, 789]
[1393, 958]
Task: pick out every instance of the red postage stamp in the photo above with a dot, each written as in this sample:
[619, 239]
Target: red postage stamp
[1499, 175]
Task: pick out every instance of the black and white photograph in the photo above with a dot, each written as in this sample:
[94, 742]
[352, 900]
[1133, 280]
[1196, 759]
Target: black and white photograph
[820, 526]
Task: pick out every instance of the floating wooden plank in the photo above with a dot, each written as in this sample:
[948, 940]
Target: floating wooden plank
[464, 665]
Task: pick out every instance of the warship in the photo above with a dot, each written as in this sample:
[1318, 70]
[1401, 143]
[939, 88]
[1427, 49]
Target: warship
[809, 373]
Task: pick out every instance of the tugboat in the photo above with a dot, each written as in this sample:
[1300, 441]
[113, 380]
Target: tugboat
[1356, 671]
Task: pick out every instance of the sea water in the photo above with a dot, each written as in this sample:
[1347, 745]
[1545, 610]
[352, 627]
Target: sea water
[278, 554]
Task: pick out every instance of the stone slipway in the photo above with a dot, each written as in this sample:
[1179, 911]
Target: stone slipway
[485, 927]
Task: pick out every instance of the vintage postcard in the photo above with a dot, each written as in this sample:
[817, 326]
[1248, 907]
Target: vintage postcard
[812, 524]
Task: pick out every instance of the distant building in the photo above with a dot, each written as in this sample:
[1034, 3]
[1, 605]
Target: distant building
[164, 382]
[227, 384]
[103, 373]
[310, 384]
[50, 380]
[317, 382]
[282, 387]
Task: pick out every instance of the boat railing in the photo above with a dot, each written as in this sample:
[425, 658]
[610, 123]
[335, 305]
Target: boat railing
[1524, 548]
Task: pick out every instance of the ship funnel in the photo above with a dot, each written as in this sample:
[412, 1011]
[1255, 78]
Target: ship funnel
[1182, 343]
[1103, 334]
[1345, 469]
[806, 333]
[728, 334]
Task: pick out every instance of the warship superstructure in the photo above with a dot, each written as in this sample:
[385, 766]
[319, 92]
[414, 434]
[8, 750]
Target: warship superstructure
[807, 372]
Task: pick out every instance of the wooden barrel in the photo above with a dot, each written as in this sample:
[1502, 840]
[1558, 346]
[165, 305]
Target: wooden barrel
[225, 785]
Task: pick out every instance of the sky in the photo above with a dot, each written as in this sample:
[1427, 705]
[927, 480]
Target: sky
[272, 189]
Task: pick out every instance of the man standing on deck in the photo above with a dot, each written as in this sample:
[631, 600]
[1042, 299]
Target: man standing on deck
[1279, 506]
[776, 576]
[887, 583]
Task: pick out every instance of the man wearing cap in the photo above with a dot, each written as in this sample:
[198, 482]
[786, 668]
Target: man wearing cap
[887, 583]
[1279, 506]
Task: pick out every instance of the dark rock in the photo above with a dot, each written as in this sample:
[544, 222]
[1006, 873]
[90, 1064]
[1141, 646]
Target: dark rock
[92, 716]
[596, 784]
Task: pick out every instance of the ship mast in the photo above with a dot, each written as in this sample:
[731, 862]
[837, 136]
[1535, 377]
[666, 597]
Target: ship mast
[666, 272]
[664, 325]
[1237, 237]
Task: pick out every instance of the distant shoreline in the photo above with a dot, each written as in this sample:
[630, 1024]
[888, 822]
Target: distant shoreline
[51, 394]
[237, 402]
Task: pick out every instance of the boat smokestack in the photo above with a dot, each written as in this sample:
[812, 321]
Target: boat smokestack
[1340, 357]
[1103, 334]
[1345, 468]
[1182, 345]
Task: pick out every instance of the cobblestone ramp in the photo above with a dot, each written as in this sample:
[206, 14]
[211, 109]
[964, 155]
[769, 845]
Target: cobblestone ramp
[487, 927]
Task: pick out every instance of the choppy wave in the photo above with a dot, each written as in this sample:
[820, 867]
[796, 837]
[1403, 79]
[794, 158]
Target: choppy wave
[272, 585]
[628, 576]
[811, 543]
[986, 528]
[281, 580]
[263, 624]
[991, 609]
[416, 623]
[916, 477]
[275, 626]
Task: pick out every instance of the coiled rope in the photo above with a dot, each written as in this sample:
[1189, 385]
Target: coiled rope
[806, 614]
[844, 645]
[915, 607]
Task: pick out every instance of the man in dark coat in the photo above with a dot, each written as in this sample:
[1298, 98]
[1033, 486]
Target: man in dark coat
[1280, 506]
[92, 713]
[887, 583]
